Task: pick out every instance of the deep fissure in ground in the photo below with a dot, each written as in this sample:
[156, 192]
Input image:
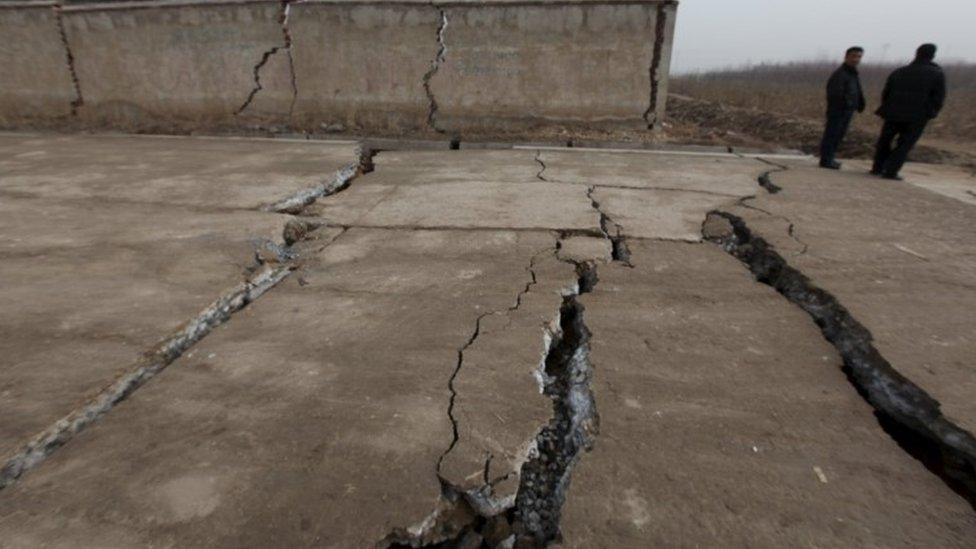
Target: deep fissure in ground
[906, 412]
[470, 520]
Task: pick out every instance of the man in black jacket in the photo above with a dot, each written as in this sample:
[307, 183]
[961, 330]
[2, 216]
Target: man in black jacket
[844, 97]
[913, 95]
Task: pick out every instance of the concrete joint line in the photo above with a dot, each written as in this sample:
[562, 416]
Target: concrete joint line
[286, 46]
[69, 56]
[435, 66]
[906, 412]
[612, 232]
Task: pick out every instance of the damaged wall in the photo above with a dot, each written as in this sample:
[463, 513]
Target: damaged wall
[461, 67]
[35, 86]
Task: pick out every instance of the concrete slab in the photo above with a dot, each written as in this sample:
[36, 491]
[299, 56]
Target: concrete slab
[725, 419]
[901, 259]
[499, 405]
[110, 244]
[452, 196]
[951, 181]
[315, 417]
[719, 174]
[187, 171]
[664, 215]
[89, 287]
[475, 166]
[403, 354]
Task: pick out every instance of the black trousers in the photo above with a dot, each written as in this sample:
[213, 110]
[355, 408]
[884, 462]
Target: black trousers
[888, 160]
[834, 132]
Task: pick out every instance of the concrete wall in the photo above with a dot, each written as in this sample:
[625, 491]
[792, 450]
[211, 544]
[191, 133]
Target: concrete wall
[35, 84]
[387, 67]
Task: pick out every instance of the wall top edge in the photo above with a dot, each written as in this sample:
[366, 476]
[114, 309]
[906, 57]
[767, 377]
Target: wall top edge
[160, 4]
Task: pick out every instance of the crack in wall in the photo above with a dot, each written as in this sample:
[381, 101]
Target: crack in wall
[906, 412]
[620, 252]
[435, 66]
[286, 47]
[660, 29]
[79, 99]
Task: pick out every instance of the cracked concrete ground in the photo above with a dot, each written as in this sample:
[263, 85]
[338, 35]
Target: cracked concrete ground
[900, 258]
[390, 387]
[109, 244]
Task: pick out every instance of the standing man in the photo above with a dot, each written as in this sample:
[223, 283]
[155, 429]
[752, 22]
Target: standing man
[913, 95]
[844, 97]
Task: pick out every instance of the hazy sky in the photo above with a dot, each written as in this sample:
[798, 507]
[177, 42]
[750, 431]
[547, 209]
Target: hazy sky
[719, 33]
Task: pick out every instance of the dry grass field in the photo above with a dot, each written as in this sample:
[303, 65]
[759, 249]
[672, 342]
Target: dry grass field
[797, 91]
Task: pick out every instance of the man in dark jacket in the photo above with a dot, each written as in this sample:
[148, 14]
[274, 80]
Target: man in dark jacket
[912, 96]
[844, 97]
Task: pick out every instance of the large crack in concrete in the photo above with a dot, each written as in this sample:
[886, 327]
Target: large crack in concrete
[41, 446]
[611, 231]
[337, 182]
[660, 28]
[273, 263]
[475, 518]
[69, 55]
[542, 167]
[286, 47]
[907, 413]
[766, 178]
[544, 480]
[435, 66]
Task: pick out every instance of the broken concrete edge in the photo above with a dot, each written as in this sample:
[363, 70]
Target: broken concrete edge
[907, 413]
[339, 181]
[612, 231]
[531, 517]
[152, 363]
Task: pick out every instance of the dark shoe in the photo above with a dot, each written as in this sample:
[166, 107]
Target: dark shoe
[892, 177]
[876, 172]
[832, 165]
